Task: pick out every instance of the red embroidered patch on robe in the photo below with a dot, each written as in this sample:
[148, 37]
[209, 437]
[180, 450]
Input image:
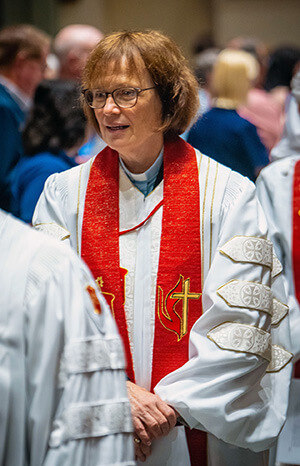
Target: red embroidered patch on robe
[92, 292]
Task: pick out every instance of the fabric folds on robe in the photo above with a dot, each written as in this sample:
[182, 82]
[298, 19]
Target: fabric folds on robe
[62, 381]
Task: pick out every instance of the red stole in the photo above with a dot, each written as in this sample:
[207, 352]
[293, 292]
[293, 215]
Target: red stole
[178, 300]
[296, 241]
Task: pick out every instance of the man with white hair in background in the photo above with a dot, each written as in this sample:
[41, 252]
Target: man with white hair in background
[72, 46]
[278, 188]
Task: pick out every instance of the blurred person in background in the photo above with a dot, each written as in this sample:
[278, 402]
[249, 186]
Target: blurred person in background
[52, 66]
[204, 51]
[62, 380]
[53, 133]
[289, 144]
[203, 64]
[72, 46]
[23, 55]
[222, 133]
[261, 107]
[258, 49]
[155, 220]
[280, 70]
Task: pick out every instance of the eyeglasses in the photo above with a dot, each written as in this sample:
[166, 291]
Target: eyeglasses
[124, 97]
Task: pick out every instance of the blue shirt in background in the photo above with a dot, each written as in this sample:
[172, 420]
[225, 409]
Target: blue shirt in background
[28, 179]
[231, 140]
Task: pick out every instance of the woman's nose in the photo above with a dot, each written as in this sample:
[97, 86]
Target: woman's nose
[110, 105]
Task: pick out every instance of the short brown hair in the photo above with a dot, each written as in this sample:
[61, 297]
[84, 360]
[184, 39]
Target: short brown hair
[21, 38]
[175, 82]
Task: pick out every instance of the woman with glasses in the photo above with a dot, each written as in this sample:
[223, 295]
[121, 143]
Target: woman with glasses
[177, 244]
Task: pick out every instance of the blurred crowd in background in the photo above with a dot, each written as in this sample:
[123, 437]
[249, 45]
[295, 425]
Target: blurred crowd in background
[248, 118]
[246, 107]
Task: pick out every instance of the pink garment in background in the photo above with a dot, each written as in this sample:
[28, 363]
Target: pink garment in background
[265, 113]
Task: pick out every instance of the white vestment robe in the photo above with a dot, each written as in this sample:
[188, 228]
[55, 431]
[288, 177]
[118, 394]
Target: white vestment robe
[62, 381]
[224, 388]
[275, 192]
[289, 144]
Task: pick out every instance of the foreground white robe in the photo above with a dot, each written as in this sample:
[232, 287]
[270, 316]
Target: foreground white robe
[62, 381]
[223, 388]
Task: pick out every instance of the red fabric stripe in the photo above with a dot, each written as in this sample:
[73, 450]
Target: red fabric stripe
[297, 370]
[100, 237]
[197, 444]
[296, 242]
[296, 230]
[180, 256]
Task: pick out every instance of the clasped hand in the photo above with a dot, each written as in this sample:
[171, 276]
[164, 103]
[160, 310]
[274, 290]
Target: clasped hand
[152, 418]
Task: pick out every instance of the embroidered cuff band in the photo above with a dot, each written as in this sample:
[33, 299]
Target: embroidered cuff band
[94, 355]
[249, 249]
[242, 338]
[250, 295]
[280, 358]
[252, 250]
[280, 310]
[277, 266]
[85, 420]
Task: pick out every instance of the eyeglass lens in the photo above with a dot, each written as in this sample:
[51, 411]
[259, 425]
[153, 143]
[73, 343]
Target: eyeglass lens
[124, 97]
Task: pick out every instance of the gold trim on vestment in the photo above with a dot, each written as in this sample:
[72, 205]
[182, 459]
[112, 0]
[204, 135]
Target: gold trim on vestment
[77, 211]
[203, 220]
[200, 161]
[46, 231]
[211, 211]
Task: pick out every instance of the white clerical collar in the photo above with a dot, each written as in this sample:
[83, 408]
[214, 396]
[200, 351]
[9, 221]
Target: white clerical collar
[145, 182]
[19, 96]
[151, 173]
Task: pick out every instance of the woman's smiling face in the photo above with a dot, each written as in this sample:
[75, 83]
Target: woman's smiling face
[133, 132]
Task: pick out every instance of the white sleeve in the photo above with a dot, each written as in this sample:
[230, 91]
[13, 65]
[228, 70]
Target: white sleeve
[48, 215]
[267, 184]
[78, 410]
[225, 388]
[59, 210]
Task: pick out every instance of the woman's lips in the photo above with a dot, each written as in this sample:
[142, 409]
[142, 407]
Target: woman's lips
[117, 127]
